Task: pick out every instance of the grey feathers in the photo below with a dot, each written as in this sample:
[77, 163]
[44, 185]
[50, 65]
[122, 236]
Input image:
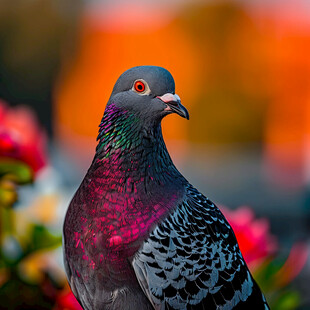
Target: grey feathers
[192, 259]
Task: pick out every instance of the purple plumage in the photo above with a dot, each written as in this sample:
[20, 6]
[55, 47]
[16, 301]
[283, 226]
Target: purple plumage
[137, 235]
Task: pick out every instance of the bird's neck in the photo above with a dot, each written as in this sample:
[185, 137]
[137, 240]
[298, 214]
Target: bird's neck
[131, 177]
[128, 144]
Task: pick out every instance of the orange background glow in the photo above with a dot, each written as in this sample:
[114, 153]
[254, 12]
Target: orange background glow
[242, 72]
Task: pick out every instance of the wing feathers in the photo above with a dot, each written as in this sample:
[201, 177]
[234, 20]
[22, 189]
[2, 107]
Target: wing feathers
[192, 258]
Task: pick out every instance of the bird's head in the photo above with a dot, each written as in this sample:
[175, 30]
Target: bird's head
[148, 92]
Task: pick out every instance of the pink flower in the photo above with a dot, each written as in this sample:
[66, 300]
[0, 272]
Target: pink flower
[21, 137]
[67, 301]
[253, 235]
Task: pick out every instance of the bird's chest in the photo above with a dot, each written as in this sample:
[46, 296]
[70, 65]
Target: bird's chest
[115, 228]
[110, 218]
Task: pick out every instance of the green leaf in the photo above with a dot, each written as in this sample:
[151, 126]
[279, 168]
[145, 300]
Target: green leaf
[288, 300]
[265, 274]
[15, 171]
[41, 238]
[8, 194]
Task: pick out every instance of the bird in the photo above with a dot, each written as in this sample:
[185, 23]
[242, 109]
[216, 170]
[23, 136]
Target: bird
[137, 235]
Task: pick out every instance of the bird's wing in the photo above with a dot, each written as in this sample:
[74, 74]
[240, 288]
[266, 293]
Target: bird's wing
[191, 260]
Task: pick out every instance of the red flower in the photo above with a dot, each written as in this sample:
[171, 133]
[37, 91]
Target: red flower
[253, 235]
[67, 301]
[21, 137]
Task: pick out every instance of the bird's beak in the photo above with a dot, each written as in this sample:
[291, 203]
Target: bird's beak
[173, 103]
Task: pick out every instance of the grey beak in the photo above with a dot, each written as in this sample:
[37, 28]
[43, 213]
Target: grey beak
[173, 102]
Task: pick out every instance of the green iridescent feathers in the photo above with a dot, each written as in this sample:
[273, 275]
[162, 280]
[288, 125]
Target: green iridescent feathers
[117, 130]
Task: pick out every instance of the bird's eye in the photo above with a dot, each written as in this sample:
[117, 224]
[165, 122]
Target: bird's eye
[139, 87]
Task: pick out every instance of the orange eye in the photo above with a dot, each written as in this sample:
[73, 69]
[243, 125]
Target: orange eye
[139, 87]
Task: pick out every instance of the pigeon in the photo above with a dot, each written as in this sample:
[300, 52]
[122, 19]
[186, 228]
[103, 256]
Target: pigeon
[137, 235]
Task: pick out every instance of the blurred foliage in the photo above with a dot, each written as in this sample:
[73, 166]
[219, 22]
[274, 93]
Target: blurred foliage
[260, 249]
[16, 291]
[12, 173]
[279, 298]
[15, 171]
[27, 280]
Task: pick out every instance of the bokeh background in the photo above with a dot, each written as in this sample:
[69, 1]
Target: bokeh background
[242, 68]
